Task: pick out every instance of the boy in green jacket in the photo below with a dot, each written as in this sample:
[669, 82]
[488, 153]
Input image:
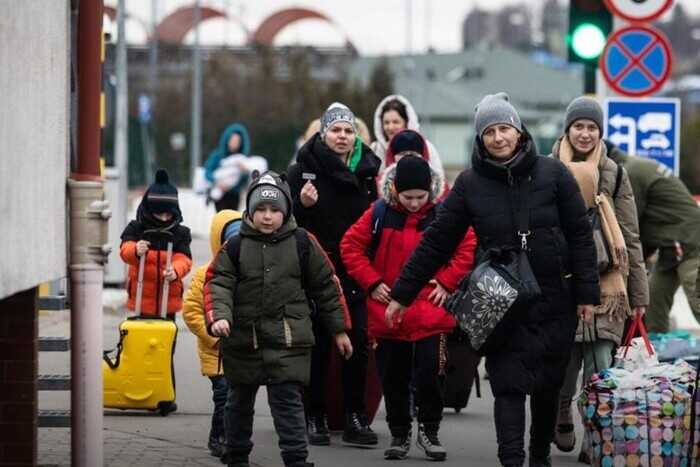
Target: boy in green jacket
[256, 297]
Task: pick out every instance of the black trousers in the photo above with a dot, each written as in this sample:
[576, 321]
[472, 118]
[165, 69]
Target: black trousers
[398, 361]
[287, 414]
[354, 371]
[509, 415]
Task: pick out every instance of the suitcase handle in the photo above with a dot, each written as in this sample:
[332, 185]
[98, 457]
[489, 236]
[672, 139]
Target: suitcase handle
[120, 345]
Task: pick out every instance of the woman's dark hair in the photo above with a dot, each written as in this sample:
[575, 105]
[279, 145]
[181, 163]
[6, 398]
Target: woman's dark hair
[398, 106]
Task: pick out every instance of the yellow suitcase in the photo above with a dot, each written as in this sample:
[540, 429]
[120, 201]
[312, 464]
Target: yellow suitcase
[141, 375]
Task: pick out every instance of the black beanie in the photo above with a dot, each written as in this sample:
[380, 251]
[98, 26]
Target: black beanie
[407, 140]
[412, 173]
[161, 196]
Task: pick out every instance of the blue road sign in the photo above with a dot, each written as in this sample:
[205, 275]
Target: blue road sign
[636, 61]
[645, 127]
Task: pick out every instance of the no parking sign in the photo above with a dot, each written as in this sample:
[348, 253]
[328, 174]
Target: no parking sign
[636, 61]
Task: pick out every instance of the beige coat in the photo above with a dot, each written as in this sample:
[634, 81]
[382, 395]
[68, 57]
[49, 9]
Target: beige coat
[626, 213]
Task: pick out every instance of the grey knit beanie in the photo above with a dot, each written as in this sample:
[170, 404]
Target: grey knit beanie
[335, 113]
[494, 109]
[583, 107]
[267, 194]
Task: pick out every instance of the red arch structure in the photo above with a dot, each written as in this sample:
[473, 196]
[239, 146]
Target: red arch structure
[176, 25]
[267, 31]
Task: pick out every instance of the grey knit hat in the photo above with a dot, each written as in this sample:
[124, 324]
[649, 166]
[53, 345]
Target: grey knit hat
[269, 188]
[494, 109]
[335, 113]
[583, 107]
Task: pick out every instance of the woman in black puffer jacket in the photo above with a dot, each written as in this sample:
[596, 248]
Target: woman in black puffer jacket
[333, 184]
[533, 360]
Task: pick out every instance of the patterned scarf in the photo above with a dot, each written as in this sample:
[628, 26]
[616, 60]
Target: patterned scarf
[613, 284]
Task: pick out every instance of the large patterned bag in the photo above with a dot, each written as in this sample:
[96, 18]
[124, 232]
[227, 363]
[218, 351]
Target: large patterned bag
[640, 415]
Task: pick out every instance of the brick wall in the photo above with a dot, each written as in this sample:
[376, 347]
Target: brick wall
[18, 377]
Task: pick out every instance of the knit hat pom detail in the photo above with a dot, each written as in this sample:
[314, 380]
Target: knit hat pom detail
[162, 176]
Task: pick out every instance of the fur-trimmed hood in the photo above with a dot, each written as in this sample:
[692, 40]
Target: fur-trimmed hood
[386, 185]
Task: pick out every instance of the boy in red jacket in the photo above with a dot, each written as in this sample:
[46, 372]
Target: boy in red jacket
[416, 345]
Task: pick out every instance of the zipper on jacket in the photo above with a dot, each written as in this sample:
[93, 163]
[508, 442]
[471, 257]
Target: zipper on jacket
[255, 338]
[287, 333]
[511, 182]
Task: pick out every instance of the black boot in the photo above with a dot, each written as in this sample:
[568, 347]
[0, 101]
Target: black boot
[357, 431]
[317, 431]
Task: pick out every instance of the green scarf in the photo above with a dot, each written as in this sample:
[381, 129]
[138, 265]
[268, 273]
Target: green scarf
[355, 156]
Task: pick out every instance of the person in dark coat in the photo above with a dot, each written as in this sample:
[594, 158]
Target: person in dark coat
[332, 185]
[533, 360]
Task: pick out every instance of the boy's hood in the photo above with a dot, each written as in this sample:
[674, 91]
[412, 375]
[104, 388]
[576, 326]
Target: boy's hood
[220, 221]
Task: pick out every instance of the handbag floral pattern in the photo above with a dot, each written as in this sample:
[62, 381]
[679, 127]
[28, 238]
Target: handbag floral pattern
[491, 297]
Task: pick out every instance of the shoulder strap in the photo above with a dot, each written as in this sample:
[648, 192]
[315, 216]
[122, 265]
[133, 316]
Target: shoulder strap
[303, 247]
[524, 212]
[233, 248]
[378, 214]
[618, 181]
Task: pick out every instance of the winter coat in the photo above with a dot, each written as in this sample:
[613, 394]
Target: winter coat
[267, 308]
[343, 196]
[666, 210]
[381, 144]
[561, 253]
[193, 308]
[401, 232]
[626, 214]
[221, 150]
[146, 227]
[433, 162]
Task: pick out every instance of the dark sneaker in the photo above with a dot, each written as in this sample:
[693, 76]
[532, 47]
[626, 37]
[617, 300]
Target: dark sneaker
[429, 442]
[317, 431]
[399, 447]
[357, 431]
[301, 464]
[239, 464]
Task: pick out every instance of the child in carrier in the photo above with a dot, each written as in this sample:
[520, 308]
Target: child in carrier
[374, 250]
[158, 222]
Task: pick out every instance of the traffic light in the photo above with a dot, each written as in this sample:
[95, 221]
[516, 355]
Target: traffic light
[590, 22]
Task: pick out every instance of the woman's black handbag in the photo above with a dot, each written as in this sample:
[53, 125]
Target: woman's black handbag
[501, 283]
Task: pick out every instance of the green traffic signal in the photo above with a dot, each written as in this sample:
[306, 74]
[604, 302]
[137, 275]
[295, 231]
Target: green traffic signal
[590, 22]
[588, 41]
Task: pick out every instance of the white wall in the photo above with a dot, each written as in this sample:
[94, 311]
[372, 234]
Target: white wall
[34, 97]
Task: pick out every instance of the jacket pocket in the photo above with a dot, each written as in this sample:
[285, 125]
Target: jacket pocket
[297, 329]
